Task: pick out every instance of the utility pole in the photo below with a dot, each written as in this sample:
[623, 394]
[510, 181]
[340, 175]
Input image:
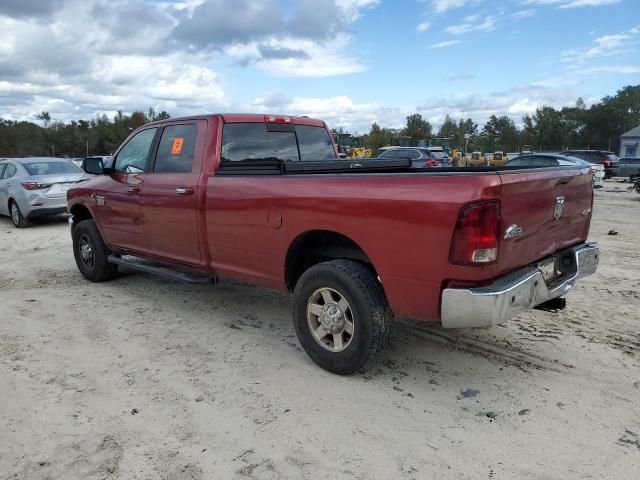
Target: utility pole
[53, 150]
[87, 148]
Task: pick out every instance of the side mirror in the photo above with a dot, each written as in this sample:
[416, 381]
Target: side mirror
[93, 166]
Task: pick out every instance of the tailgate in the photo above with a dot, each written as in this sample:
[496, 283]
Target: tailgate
[552, 208]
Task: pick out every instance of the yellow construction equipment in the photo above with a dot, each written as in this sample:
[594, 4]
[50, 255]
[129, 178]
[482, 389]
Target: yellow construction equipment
[477, 160]
[458, 159]
[497, 159]
[350, 146]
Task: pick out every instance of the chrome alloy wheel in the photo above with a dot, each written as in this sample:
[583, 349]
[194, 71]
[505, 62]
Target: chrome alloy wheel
[330, 319]
[86, 251]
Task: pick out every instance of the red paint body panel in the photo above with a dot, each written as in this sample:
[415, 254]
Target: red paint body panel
[243, 226]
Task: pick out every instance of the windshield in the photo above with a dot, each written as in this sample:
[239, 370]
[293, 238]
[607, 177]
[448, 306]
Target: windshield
[50, 168]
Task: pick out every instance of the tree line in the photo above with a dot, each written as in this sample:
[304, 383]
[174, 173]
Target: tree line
[77, 138]
[597, 127]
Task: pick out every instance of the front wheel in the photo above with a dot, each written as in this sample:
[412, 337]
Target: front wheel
[341, 316]
[91, 254]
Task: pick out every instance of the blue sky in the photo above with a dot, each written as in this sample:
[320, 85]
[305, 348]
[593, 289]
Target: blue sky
[350, 62]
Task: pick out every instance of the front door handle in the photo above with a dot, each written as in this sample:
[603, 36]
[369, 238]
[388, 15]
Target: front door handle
[184, 191]
[132, 189]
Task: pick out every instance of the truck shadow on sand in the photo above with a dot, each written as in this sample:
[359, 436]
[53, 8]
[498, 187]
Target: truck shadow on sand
[259, 313]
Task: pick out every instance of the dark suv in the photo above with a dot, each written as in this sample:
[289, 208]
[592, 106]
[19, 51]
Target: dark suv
[598, 157]
[420, 157]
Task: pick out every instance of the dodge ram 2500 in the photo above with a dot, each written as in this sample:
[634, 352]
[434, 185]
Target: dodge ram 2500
[266, 200]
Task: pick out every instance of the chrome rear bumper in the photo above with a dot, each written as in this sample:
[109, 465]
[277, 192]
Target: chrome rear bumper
[517, 291]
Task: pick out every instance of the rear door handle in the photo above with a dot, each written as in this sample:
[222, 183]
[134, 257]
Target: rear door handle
[184, 191]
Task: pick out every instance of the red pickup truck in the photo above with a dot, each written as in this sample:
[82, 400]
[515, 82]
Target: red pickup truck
[265, 199]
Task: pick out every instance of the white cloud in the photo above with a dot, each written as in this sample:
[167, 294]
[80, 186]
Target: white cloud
[460, 77]
[161, 54]
[443, 5]
[353, 8]
[337, 111]
[342, 111]
[448, 43]
[472, 23]
[573, 3]
[423, 26]
[604, 46]
[319, 60]
[617, 69]
[515, 103]
[529, 12]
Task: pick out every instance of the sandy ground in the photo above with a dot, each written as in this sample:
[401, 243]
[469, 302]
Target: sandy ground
[140, 378]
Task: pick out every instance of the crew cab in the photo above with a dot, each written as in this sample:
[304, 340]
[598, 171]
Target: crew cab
[265, 199]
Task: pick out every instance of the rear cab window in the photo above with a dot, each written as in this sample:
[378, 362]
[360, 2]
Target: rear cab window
[257, 142]
[252, 141]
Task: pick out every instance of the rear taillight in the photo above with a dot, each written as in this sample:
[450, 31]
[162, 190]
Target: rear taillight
[607, 162]
[34, 185]
[432, 163]
[475, 238]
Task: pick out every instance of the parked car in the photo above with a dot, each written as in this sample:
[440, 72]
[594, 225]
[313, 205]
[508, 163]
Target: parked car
[597, 157]
[421, 157]
[265, 200]
[628, 167]
[35, 187]
[538, 160]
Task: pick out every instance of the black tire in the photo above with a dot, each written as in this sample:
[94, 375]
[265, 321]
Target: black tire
[18, 220]
[368, 309]
[95, 267]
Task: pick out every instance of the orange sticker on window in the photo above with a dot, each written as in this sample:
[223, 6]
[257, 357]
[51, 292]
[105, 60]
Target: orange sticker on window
[176, 147]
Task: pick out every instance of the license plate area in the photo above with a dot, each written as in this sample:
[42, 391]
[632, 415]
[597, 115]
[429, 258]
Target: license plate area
[548, 269]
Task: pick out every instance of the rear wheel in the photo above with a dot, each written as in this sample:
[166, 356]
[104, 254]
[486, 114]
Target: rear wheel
[341, 316]
[91, 254]
[19, 220]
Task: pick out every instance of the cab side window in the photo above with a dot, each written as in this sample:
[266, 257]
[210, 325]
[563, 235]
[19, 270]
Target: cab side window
[2, 167]
[177, 149]
[132, 158]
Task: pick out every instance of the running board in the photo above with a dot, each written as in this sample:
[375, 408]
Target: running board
[135, 263]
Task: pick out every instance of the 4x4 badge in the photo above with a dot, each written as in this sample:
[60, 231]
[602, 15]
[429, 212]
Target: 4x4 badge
[557, 211]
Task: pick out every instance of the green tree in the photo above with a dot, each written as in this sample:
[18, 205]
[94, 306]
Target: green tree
[500, 133]
[417, 127]
[377, 137]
